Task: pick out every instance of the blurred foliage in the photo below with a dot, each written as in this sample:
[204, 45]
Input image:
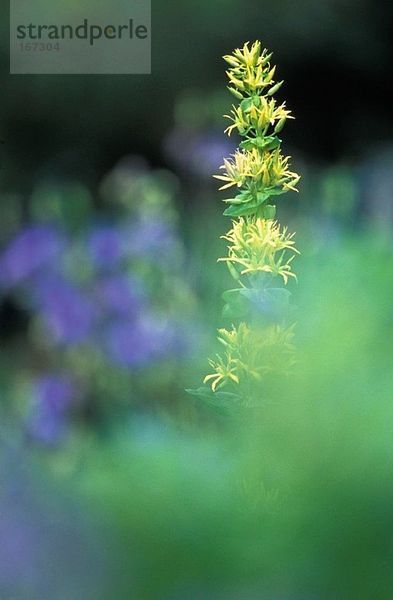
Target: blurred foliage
[291, 500]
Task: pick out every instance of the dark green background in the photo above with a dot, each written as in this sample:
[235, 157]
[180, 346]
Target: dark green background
[335, 56]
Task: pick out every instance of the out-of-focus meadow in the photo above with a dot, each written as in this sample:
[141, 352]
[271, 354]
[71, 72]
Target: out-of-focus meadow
[115, 483]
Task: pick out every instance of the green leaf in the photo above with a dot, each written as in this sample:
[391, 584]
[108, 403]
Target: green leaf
[246, 104]
[269, 142]
[226, 403]
[228, 295]
[272, 303]
[240, 297]
[241, 198]
[275, 191]
[268, 211]
[221, 400]
[247, 145]
[237, 304]
[246, 208]
[233, 271]
[274, 143]
[279, 295]
[240, 210]
[262, 197]
[230, 312]
[237, 310]
[260, 280]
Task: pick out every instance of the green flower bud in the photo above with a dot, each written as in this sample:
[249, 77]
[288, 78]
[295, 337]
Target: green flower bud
[275, 88]
[233, 271]
[231, 60]
[236, 93]
[280, 125]
[266, 59]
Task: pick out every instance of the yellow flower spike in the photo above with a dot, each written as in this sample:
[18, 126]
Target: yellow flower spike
[256, 242]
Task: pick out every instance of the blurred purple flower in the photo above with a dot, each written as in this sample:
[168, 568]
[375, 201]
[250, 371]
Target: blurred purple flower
[52, 397]
[18, 543]
[138, 343]
[32, 249]
[149, 236]
[45, 535]
[208, 152]
[120, 294]
[69, 314]
[105, 246]
[202, 152]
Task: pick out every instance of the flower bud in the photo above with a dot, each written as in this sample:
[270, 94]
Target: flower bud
[236, 82]
[280, 125]
[266, 59]
[270, 75]
[231, 60]
[275, 88]
[236, 93]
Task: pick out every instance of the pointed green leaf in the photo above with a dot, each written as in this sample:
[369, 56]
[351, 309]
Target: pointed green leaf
[246, 104]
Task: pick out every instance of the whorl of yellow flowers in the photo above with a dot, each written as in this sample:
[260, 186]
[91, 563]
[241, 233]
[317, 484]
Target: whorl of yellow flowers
[260, 245]
[260, 252]
[251, 353]
[268, 171]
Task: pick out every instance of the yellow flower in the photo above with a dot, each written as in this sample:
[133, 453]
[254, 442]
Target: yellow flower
[259, 118]
[224, 372]
[269, 169]
[261, 245]
[237, 170]
[240, 119]
[246, 57]
[250, 68]
[251, 353]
